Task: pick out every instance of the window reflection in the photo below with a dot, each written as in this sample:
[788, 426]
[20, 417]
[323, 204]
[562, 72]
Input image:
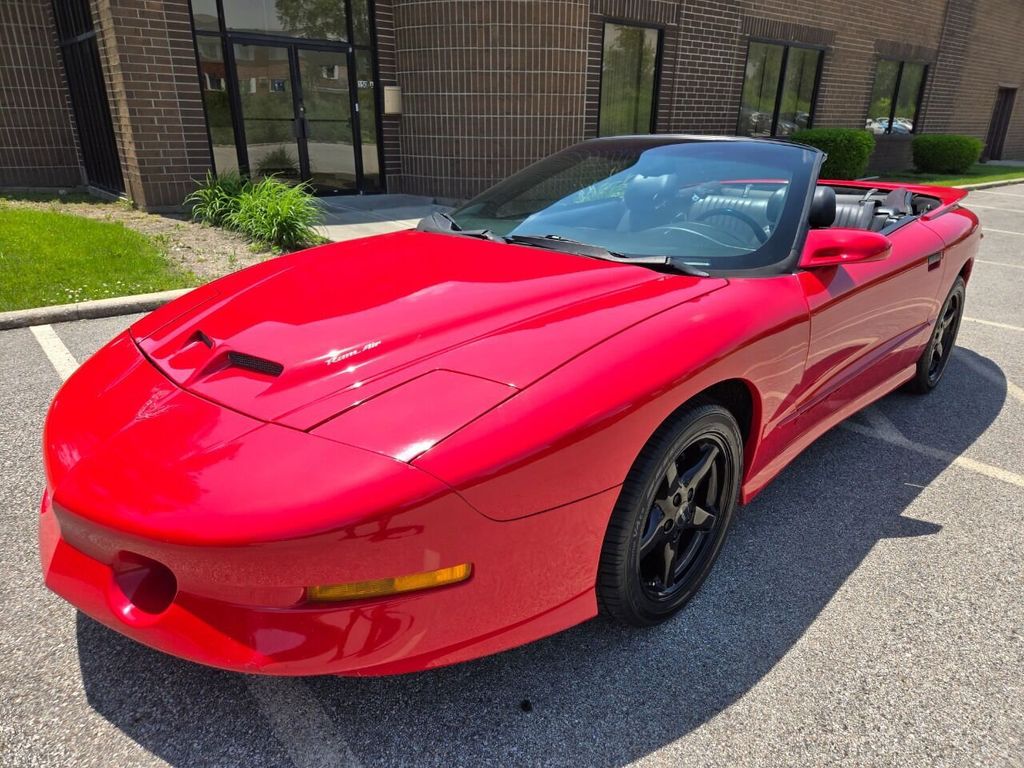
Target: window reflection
[767, 110]
[627, 80]
[315, 19]
[894, 97]
[218, 107]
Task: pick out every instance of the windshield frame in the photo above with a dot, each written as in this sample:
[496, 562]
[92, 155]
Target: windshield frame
[781, 258]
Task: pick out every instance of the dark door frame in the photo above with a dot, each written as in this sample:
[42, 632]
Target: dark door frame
[1000, 123]
[83, 73]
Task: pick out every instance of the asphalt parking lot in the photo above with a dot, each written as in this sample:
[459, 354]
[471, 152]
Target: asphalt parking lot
[867, 610]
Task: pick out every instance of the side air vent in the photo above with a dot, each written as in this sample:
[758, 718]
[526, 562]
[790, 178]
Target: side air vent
[253, 363]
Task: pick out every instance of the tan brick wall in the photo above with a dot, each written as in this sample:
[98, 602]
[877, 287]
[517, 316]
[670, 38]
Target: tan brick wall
[985, 50]
[480, 100]
[488, 87]
[149, 60]
[37, 139]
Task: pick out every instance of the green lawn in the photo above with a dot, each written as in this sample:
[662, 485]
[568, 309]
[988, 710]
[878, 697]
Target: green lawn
[54, 258]
[978, 174]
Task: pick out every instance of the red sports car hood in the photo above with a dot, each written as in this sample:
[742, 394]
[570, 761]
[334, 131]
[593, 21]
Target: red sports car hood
[301, 338]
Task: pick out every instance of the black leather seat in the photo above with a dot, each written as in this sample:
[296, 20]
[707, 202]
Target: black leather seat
[854, 212]
[757, 204]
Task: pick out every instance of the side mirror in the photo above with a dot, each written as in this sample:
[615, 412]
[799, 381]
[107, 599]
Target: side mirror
[830, 247]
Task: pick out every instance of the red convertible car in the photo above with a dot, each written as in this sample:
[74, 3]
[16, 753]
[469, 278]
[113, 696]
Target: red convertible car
[415, 449]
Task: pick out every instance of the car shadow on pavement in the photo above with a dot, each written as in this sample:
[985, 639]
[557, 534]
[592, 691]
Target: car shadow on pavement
[598, 694]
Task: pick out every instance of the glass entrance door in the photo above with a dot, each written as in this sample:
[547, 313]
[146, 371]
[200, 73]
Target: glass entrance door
[325, 109]
[299, 115]
[267, 98]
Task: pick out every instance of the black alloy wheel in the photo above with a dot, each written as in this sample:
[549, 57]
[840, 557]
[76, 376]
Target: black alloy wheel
[933, 361]
[672, 516]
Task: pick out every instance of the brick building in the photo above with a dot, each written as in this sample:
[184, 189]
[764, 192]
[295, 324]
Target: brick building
[443, 97]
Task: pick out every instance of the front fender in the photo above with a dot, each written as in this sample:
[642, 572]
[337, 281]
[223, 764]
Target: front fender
[577, 431]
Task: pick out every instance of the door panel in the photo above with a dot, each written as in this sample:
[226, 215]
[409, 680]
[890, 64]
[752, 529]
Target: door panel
[267, 99]
[869, 321]
[328, 126]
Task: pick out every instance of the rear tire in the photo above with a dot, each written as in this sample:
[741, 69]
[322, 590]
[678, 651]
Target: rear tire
[932, 363]
[671, 517]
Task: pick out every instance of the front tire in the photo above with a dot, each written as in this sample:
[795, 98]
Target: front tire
[672, 516]
[932, 363]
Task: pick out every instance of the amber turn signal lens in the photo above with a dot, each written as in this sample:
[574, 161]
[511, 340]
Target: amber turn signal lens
[360, 590]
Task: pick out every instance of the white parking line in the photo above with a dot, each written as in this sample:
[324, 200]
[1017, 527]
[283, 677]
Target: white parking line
[999, 264]
[978, 467]
[994, 208]
[994, 324]
[302, 726]
[998, 379]
[1002, 231]
[995, 192]
[62, 360]
[296, 718]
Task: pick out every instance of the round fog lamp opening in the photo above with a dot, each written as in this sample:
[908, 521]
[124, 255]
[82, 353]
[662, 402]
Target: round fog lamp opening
[147, 585]
[362, 590]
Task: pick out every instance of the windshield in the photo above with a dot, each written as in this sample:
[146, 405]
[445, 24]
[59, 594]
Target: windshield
[719, 205]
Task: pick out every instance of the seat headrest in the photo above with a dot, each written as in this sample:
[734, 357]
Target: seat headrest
[823, 208]
[775, 203]
[899, 200]
[641, 191]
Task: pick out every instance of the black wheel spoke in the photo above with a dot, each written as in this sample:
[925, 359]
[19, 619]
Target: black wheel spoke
[654, 532]
[696, 473]
[668, 575]
[671, 475]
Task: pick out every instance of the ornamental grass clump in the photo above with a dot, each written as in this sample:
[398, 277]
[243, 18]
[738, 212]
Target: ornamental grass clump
[278, 214]
[267, 211]
[216, 198]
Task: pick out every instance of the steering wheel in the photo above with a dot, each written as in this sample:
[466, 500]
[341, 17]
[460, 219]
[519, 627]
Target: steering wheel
[759, 233]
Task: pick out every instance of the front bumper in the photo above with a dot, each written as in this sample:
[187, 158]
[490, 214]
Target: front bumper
[195, 530]
[515, 596]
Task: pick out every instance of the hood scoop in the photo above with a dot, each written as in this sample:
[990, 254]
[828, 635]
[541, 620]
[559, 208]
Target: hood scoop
[254, 363]
[231, 359]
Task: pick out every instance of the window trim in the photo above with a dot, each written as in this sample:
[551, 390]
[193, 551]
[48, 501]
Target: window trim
[659, 50]
[786, 46]
[918, 99]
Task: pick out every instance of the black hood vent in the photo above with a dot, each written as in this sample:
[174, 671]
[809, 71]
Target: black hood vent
[253, 363]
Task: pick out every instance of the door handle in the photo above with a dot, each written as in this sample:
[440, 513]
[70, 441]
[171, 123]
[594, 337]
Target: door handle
[935, 260]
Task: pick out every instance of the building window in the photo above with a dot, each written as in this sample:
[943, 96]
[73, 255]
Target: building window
[629, 74]
[778, 89]
[895, 96]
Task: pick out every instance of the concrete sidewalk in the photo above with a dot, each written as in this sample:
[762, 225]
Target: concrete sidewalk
[347, 217]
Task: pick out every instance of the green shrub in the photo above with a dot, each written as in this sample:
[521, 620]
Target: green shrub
[848, 150]
[283, 215]
[945, 152]
[216, 198]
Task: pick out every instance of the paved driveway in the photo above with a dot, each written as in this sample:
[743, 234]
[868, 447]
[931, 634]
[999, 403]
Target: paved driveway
[866, 611]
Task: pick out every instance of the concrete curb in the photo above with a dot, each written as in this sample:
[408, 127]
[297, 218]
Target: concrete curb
[85, 310]
[990, 184]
